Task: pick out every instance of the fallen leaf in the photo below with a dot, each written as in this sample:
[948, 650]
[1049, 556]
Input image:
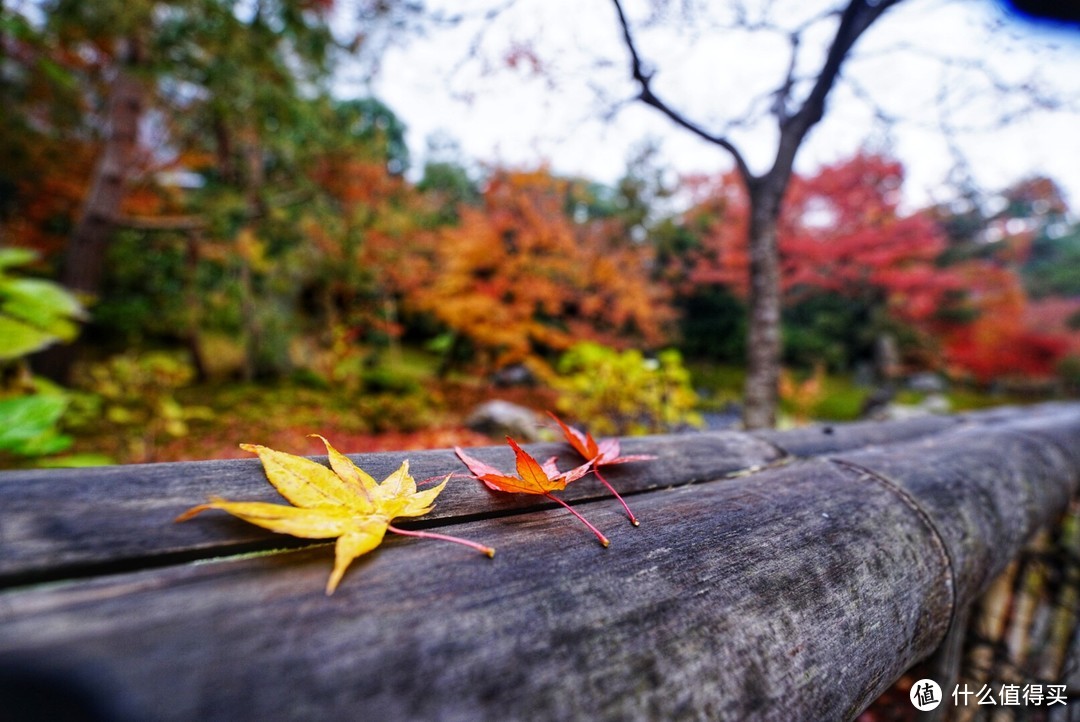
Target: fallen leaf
[604, 453]
[342, 502]
[532, 478]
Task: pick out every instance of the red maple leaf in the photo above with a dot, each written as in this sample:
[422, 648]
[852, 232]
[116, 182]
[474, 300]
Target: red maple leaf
[604, 453]
[532, 478]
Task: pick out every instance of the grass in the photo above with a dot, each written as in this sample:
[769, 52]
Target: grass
[397, 405]
[842, 401]
[717, 385]
[720, 385]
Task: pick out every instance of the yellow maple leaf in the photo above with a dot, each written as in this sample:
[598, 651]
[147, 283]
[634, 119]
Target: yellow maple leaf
[342, 502]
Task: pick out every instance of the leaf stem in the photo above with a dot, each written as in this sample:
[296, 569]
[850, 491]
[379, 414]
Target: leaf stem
[432, 535]
[440, 477]
[603, 539]
[633, 519]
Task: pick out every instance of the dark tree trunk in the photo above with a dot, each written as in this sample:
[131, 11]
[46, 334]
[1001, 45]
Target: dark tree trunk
[249, 332]
[193, 333]
[764, 343]
[252, 325]
[84, 262]
[84, 267]
[225, 163]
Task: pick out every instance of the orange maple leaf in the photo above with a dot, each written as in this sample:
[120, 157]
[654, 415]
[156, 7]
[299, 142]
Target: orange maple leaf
[605, 453]
[532, 478]
[343, 502]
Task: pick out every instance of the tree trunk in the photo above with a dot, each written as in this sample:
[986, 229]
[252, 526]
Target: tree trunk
[249, 312]
[249, 326]
[764, 344]
[193, 333]
[85, 263]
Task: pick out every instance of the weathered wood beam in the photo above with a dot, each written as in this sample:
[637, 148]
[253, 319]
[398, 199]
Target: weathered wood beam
[798, 592]
[736, 600]
[79, 522]
[821, 439]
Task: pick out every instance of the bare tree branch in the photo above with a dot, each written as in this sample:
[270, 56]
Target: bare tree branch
[855, 19]
[166, 223]
[965, 83]
[782, 94]
[479, 37]
[644, 80]
[766, 191]
[861, 93]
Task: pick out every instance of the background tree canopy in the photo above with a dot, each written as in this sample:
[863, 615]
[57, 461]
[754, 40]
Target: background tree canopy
[193, 173]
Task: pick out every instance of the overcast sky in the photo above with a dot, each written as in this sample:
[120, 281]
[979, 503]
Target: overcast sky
[522, 116]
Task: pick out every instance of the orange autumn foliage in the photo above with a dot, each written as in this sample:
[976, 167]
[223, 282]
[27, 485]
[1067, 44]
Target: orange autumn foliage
[518, 277]
[373, 242]
[802, 396]
[51, 197]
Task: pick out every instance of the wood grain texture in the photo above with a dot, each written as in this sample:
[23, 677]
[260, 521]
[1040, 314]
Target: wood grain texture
[64, 522]
[798, 593]
[986, 490]
[818, 439]
[822, 438]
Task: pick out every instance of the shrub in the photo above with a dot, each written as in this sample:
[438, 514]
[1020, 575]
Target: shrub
[138, 397]
[624, 392]
[34, 313]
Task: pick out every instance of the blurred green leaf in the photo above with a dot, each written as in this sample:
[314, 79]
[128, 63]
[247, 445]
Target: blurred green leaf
[624, 392]
[28, 425]
[39, 302]
[74, 461]
[19, 339]
[34, 313]
[15, 257]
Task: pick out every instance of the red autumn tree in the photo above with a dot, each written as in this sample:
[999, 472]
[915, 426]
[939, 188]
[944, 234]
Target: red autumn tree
[1005, 339]
[840, 231]
[1008, 334]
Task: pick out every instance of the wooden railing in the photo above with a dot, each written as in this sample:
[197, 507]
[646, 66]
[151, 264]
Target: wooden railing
[775, 575]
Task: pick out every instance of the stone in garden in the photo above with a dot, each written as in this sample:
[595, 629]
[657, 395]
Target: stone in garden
[499, 418]
[514, 375]
[931, 405]
[927, 383]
